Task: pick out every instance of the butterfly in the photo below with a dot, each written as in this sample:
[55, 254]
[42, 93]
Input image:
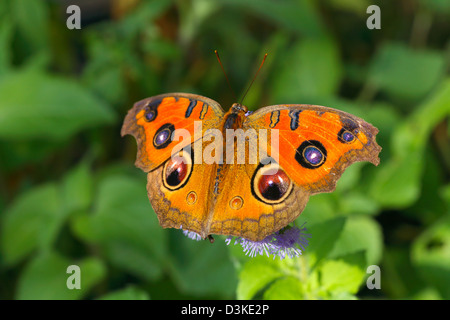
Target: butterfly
[196, 183]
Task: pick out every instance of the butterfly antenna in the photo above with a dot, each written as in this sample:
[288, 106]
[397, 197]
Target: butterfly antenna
[226, 77]
[256, 74]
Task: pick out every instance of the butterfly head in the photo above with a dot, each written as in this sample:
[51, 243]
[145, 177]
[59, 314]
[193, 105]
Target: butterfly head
[235, 116]
[238, 108]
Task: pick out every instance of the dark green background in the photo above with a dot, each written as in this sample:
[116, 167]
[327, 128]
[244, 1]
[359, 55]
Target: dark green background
[69, 193]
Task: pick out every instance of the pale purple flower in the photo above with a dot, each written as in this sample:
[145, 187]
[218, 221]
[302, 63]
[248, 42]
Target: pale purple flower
[287, 242]
[191, 234]
[253, 248]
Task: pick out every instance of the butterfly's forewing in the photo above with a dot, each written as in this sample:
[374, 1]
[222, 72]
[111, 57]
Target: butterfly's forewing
[153, 120]
[317, 143]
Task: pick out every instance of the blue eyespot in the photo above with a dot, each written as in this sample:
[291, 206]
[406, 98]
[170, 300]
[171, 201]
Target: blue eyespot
[346, 136]
[311, 154]
[150, 116]
[151, 110]
[163, 136]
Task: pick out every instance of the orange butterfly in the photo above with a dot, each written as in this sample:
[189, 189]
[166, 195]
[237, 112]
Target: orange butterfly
[251, 199]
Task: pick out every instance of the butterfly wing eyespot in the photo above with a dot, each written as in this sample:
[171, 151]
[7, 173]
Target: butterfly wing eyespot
[163, 136]
[271, 184]
[191, 198]
[177, 171]
[151, 110]
[311, 154]
[346, 136]
[236, 203]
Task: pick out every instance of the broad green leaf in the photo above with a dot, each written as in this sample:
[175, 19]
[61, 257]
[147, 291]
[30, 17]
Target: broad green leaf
[125, 226]
[357, 203]
[256, 274]
[128, 293]
[31, 222]
[289, 288]
[77, 188]
[427, 294]
[349, 178]
[32, 18]
[35, 218]
[406, 73]
[52, 107]
[342, 295]
[324, 236]
[45, 278]
[201, 268]
[397, 183]
[109, 82]
[342, 275]
[6, 32]
[360, 233]
[104, 72]
[314, 70]
[431, 254]
[446, 192]
[319, 208]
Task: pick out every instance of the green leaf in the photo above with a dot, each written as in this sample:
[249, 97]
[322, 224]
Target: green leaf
[125, 226]
[406, 73]
[324, 236]
[431, 254]
[128, 293]
[6, 32]
[314, 70]
[35, 218]
[32, 221]
[45, 278]
[256, 274]
[343, 275]
[320, 207]
[360, 233]
[397, 183]
[201, 268]
[52, 107]
[350, 177]
[289, 288]
[357, 203]
[32, 18]
[77, 188]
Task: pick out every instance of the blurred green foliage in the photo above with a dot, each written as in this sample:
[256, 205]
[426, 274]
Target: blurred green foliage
[69, 193]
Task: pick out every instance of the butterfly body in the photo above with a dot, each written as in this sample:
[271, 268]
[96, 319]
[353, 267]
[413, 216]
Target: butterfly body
[239, 174]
